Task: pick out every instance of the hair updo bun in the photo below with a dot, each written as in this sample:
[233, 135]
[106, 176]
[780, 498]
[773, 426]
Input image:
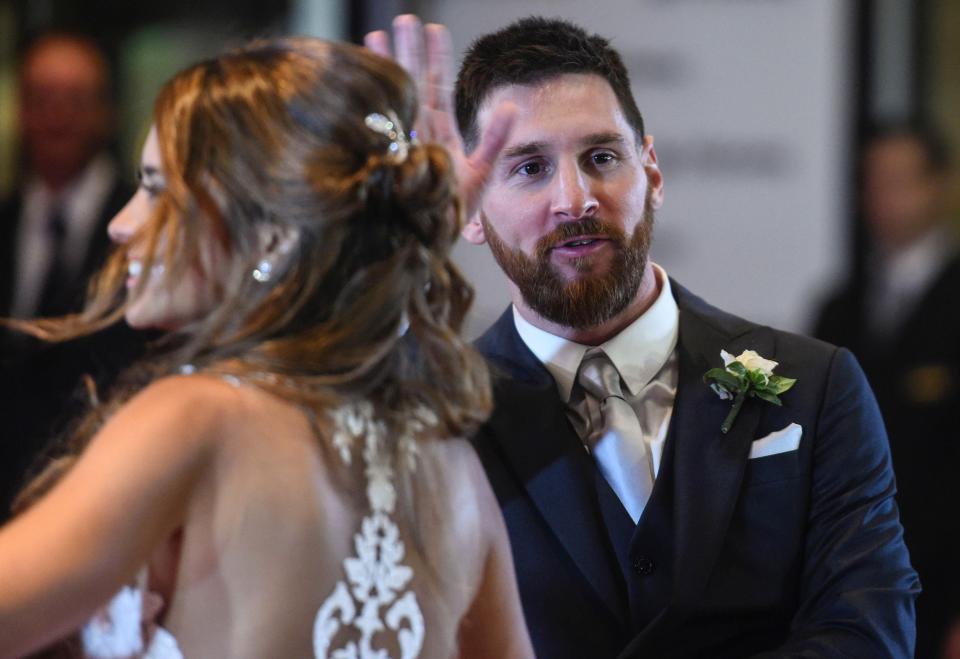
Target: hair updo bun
[373, 278]
[416, 195]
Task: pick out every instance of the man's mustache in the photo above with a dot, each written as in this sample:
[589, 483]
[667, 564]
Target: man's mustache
[566, 231]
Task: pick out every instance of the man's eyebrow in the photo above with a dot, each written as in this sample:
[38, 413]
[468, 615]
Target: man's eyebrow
[525, 149]
[593, 139]
[607, 137]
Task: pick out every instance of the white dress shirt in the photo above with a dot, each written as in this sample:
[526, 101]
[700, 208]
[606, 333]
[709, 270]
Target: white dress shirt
[644, 353]
[82, 203]
[899, 280]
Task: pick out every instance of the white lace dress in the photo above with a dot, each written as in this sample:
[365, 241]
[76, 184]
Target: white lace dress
[373, 598]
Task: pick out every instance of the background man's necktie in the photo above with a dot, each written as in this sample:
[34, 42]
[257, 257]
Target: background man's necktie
[56, 286]
[617, 446]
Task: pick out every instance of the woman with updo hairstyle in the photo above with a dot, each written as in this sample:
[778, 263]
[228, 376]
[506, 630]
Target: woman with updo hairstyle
[285, 475]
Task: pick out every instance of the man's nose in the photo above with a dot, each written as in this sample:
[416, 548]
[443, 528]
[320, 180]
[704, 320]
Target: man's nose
[573, 196]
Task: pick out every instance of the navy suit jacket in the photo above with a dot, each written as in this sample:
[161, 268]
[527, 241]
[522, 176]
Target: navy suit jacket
[796, 554]
[916, 376]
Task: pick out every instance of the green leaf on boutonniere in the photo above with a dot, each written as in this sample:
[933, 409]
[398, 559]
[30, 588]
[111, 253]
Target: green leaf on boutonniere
[722, 377]
[780, 384]
[746, 376]
[758, 379]
[737, 368]
[767, 396]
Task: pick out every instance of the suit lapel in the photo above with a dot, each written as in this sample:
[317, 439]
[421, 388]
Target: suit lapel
[709, 465]
[537, 441]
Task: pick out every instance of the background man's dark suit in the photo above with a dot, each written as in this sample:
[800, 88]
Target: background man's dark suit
[916, 376]
[798, 552]
[40, 383]
[93, 258]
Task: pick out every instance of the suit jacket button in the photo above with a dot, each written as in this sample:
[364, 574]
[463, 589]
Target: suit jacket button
[643, 566]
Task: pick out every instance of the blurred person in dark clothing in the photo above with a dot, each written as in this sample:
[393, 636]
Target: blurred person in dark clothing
[52, 237]
[901, 318]
[54, 225]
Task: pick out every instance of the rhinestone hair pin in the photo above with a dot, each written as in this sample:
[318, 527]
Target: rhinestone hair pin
[389, 126]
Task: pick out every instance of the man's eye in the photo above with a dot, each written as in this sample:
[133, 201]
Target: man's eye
[602, 158]
[533, 168]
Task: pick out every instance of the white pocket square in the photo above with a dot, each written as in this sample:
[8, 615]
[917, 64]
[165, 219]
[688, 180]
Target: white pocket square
[776, 442]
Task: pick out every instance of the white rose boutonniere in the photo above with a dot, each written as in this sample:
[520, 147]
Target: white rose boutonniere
[746, 376]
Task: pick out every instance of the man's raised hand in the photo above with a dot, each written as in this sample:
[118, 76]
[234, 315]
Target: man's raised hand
[426, 52]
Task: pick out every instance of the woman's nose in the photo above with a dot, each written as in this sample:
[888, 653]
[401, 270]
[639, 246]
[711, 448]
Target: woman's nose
[124, 224]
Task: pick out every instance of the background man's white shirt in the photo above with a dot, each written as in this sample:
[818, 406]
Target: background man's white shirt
[81, 204]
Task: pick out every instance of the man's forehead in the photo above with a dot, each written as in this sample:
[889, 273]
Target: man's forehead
[64, 61]
[899, 152]
[896, 144]
[570, 107]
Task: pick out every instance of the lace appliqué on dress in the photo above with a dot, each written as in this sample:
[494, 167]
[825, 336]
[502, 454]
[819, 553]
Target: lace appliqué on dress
[376, 575]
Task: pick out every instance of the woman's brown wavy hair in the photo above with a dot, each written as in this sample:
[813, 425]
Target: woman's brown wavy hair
[367, 304]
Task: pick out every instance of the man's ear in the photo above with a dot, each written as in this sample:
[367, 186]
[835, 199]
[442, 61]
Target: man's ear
[648, 158]
[472, 231]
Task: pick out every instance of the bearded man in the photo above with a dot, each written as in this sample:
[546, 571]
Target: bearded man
[652, 513]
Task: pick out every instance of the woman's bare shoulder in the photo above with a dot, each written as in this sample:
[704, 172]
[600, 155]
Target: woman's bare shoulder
[209, 395]
[189, 407]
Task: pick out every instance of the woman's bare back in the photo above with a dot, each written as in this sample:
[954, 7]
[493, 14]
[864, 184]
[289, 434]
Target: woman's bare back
[257, 536]
[266, 537]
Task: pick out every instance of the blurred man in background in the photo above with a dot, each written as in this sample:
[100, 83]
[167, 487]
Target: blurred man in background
[53, 236]
[902, 320]
[54, 225]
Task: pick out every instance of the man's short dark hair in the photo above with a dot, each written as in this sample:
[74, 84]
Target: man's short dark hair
[531, 51]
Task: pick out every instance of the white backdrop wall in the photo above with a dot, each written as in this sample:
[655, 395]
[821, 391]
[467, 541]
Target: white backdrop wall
[749, 103]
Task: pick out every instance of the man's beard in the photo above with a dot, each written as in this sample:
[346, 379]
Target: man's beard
[582, 302]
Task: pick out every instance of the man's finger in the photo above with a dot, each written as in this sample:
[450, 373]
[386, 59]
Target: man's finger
[475, 175]
[439, 66]
[494, 137]
[379, 43]
[409, 43]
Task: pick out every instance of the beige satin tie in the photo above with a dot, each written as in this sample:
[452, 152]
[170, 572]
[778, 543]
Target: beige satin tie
[618, 445]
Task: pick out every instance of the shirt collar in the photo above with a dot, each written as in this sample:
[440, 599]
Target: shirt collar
[910, 270]
[79, 200]
[639, 351]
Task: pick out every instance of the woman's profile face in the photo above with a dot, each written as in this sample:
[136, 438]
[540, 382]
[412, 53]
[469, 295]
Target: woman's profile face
[167, 300]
